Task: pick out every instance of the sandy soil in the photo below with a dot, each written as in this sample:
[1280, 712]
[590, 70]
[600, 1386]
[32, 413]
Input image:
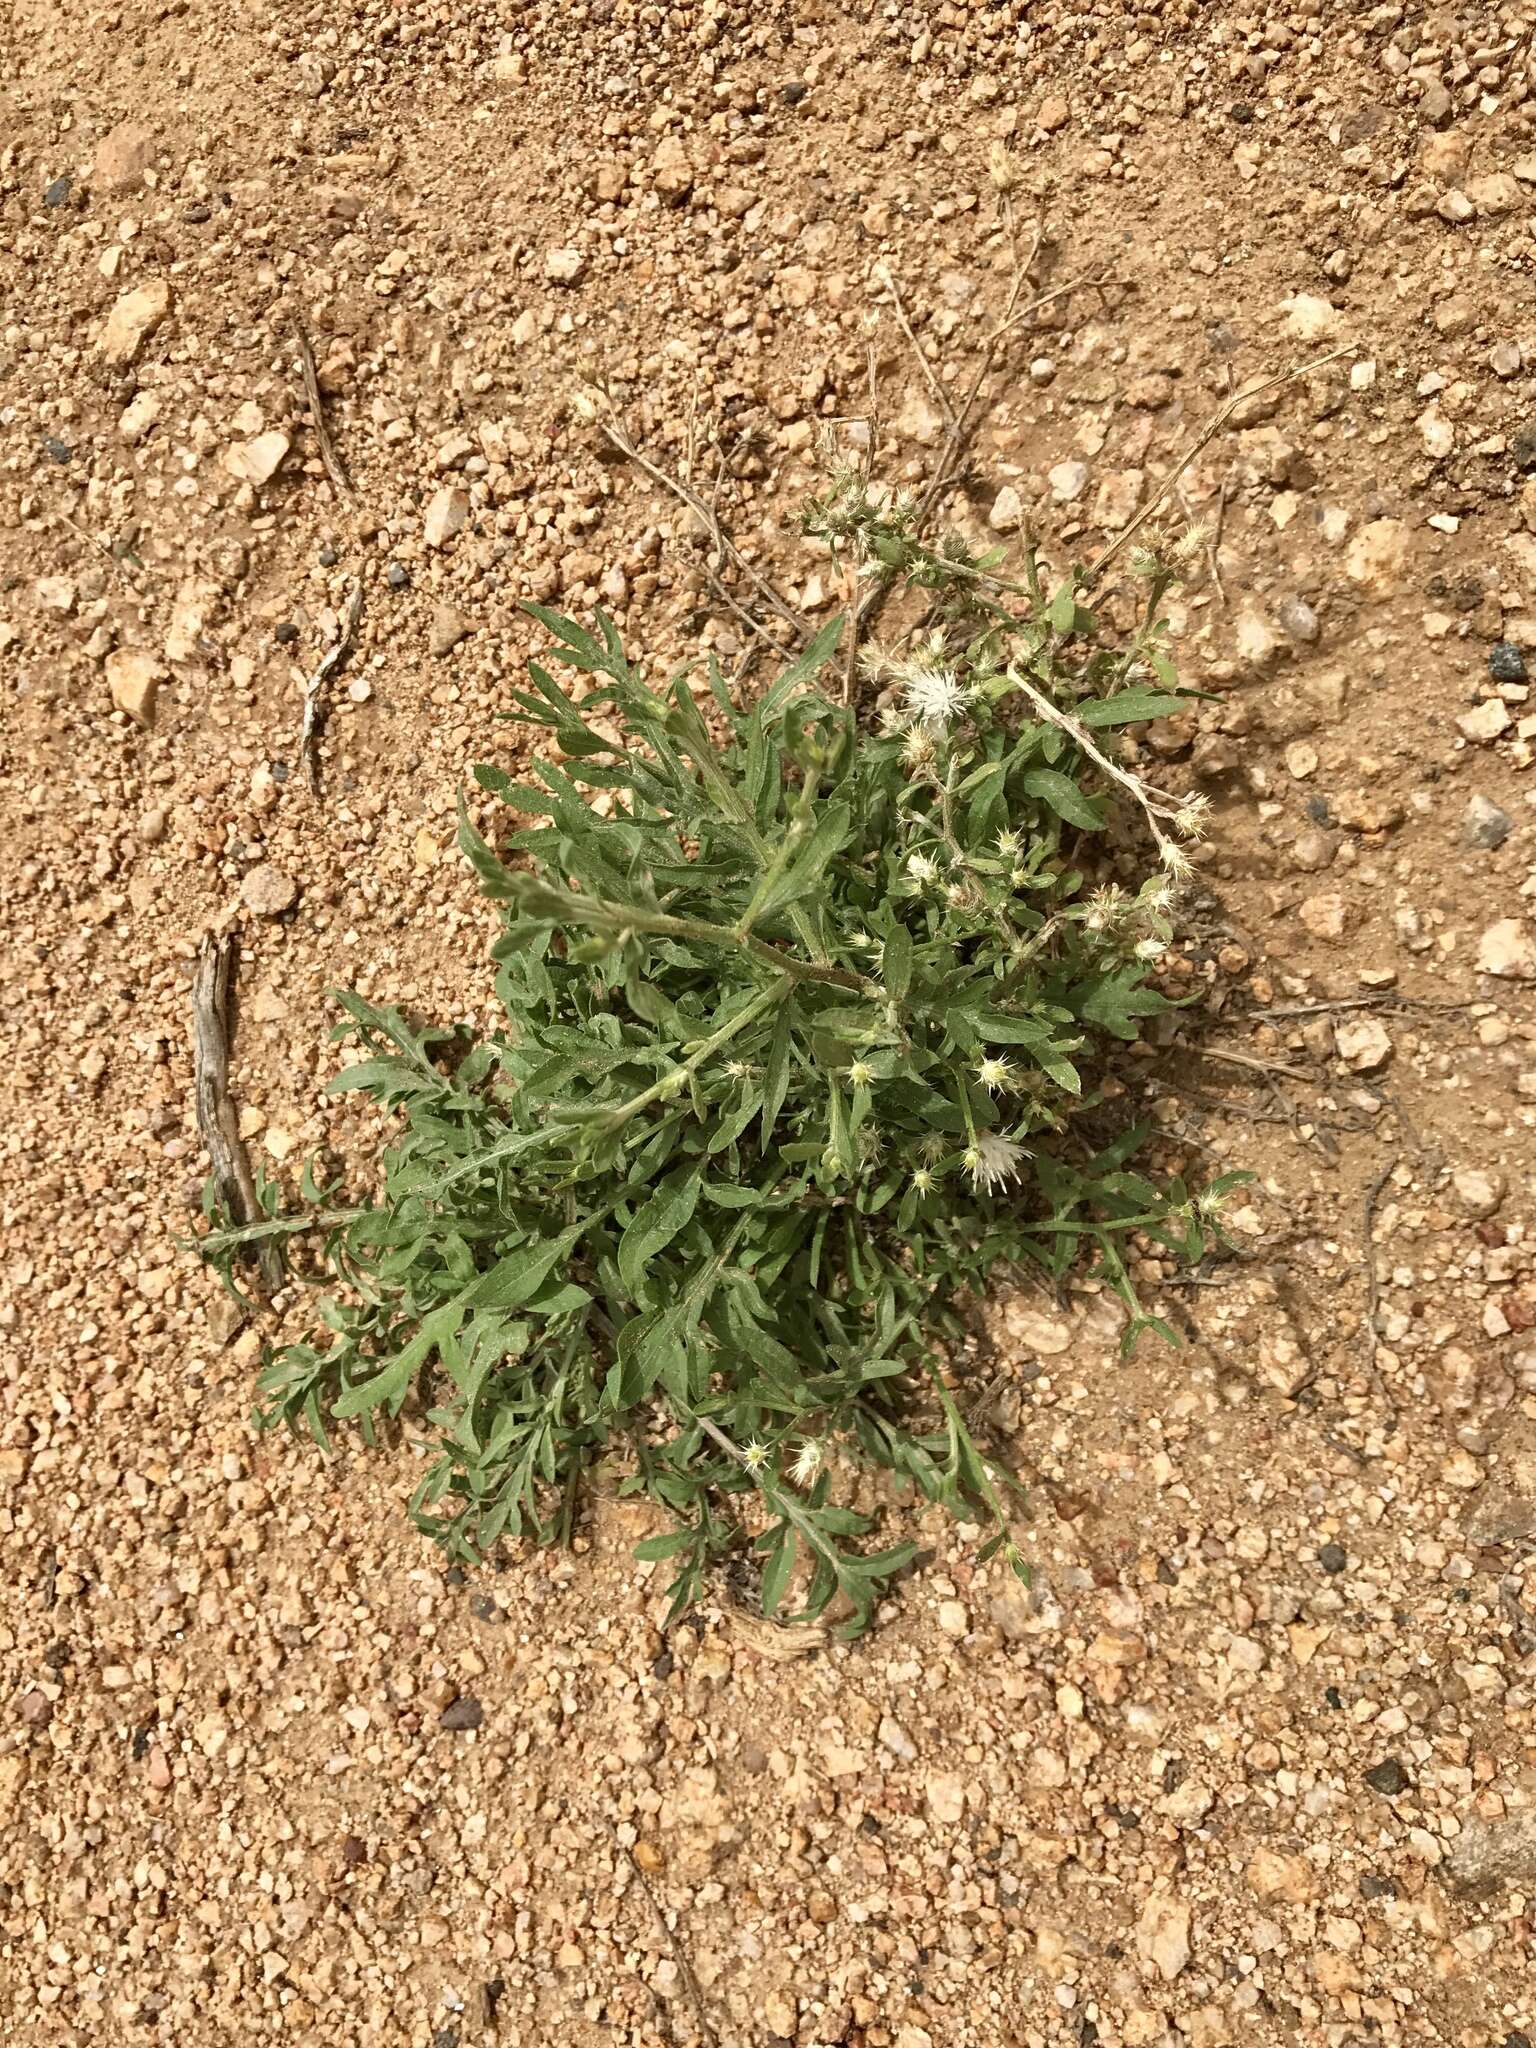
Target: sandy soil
[1256, 1760]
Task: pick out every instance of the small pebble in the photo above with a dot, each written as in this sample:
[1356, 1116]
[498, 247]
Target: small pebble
[397, 576]
[1506, 663]
[1479, 1193]
[1332, 1557]
[1298, 619]
[286, 633]
[328, 557]
[60, 451]
[1388, 1778]
[269, 891]
[58, 191]
[1485, 826]
[462, 1714]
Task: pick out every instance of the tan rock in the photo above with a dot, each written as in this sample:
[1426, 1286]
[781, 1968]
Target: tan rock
[671, 172]
[449, 627]
[1496, 194]
[1488, 1855]
[1310, 319]
[445, 516]
[1007, 513]
[1479, 1193]
[1506, 949]
[1363, 1043]
[946, 1796]
[1326, 917]
[132, 320]
[1377, 556]
[138, 416]
[920, 421]
[1485, 721]
[189, 619]
[133, 676]
[1272, 1875]
[781, 2015]
[13, 1776]
[269, 890]
[122, 157]
[1163, 1935]
[1117, 1646]
[258, 460]
[1117, 499]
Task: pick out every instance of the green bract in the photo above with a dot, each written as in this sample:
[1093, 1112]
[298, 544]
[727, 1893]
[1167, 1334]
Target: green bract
[796, 1028]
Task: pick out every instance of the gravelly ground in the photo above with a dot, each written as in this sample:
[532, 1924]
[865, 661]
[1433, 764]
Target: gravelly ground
[1257, 1758]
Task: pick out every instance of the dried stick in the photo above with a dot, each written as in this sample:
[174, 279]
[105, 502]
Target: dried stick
[1202, 440]
[1155, 804]
[341, 483]
[1213, 549]
[679, 1955]
[719, 539]
[1247, 1059]
[216, 1120]
[960, 433]
[332, 660]
[1372, 1275]
[888, 278]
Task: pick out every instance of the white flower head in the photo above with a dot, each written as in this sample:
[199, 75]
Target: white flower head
[807, 1462]
[754, 1455]
[922, 869]
[1008, 843]
[994, 1073]
[1106, 907]
[922, 1181]
[861, 1073]
[1175, 860]
[993, 1162]
[1192, 817]
[934, 695]
[917, 744]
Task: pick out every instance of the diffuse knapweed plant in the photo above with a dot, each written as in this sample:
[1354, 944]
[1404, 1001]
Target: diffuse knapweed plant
[799, 1025]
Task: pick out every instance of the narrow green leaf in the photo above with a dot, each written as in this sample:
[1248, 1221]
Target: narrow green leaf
[896, 963]
[1064, 798]
[1130, 707]
[656, 1223]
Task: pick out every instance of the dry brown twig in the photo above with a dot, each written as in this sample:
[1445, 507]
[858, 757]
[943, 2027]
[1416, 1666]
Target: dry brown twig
[1202, 440]
[1372, 1272]
[679, 1954]
[722, 543]
[341, 483]
[887, 277]
[217, 1122]
[332, 660]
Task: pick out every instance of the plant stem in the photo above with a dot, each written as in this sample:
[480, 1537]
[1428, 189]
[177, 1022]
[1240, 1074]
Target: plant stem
[594, 910]
[734, 806]
[673, 1079]
[786, 847]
